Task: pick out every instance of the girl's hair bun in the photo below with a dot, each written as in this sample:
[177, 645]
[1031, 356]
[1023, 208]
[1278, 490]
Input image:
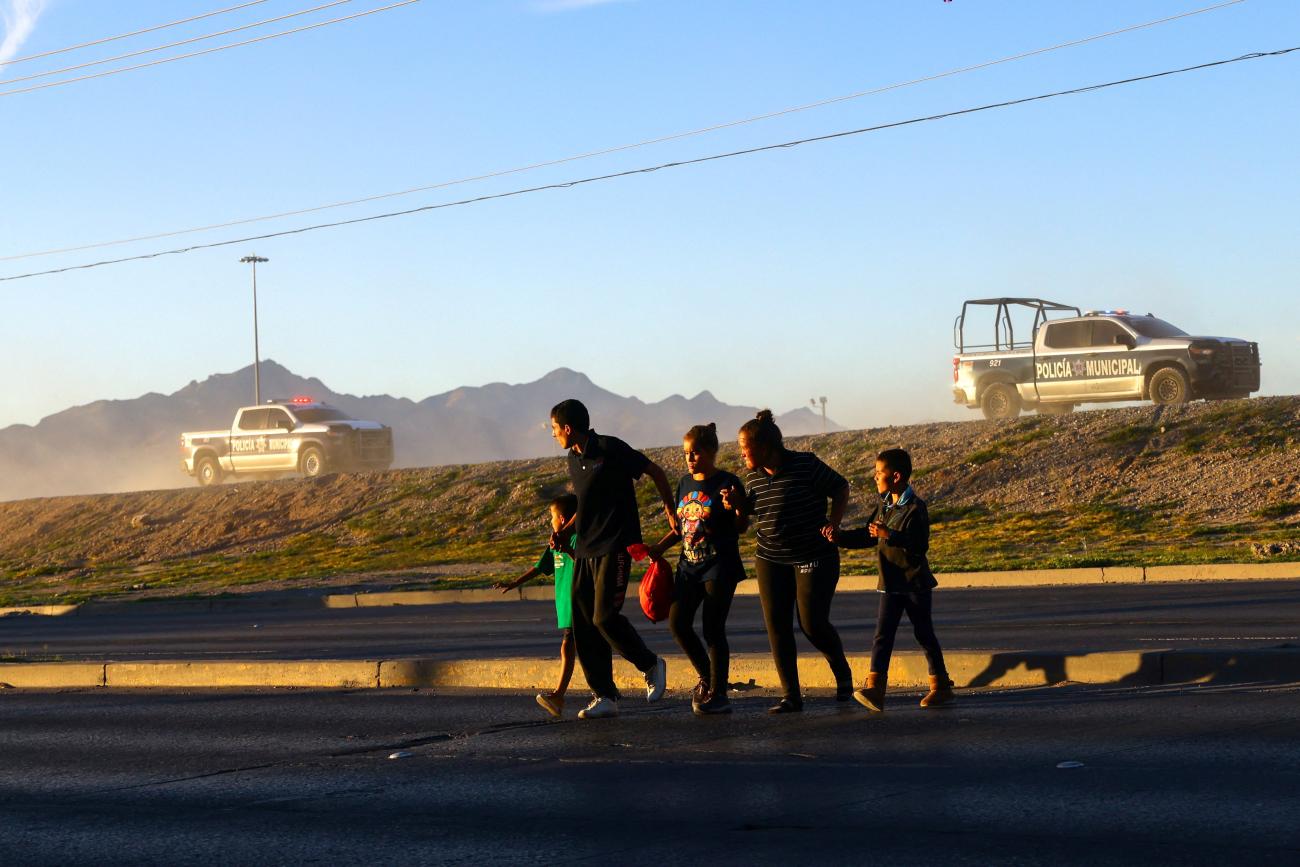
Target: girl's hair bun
[704, 436]
[762, 429]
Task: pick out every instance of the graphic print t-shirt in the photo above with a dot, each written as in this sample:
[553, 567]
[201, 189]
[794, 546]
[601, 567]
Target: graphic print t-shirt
[558, 563]
[710, 543]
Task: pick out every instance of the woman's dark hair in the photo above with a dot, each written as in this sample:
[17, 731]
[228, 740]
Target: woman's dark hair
[897, 461]
[704, 436]
[762, 429]
[572, 413]
[566, 503]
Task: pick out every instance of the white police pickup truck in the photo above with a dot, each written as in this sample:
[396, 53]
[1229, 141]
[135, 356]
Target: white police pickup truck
[297, 436]
[1093, 357]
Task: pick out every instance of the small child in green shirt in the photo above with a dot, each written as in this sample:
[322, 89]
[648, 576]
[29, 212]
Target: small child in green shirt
[557, 562]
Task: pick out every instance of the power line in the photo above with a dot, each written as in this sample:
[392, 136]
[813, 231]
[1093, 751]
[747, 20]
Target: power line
[671, 165]
[206, 50]
[189, 41]
[132, 33]
[619, 148]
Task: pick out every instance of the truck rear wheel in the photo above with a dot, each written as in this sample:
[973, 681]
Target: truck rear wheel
[207, 471]
[1000, 401]
[1168, 386]
[312, 462]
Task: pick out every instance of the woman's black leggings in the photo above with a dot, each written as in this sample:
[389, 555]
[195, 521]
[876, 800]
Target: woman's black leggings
[714, 665]
[809, 587]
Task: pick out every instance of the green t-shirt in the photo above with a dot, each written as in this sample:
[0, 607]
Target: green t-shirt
[560, 564]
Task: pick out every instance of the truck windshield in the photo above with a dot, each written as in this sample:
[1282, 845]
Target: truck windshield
[1149, 326]
[313, 416]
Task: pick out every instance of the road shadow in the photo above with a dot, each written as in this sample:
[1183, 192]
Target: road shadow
[1150, 668]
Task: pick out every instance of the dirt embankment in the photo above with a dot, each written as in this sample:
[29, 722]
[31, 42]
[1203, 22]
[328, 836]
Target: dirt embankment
[1225, 474]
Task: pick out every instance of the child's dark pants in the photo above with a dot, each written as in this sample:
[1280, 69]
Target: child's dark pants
[917, 607]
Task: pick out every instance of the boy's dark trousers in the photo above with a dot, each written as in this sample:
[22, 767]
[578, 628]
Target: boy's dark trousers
[917, 607]
[599, 627]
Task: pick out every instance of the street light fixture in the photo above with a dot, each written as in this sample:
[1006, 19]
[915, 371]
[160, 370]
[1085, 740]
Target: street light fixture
[812, 401]
[257, 355]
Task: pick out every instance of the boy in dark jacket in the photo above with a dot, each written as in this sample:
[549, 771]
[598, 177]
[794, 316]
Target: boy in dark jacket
[899, 530]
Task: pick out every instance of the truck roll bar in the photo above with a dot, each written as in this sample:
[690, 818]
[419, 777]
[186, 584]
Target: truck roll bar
[1004, 337]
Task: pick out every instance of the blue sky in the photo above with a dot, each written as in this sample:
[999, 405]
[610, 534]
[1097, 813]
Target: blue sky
[830, 269]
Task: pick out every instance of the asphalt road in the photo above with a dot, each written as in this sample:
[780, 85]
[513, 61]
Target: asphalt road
[1087, 618]
[1193, 775]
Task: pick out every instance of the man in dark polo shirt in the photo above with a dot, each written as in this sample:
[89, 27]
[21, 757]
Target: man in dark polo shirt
[602, 470]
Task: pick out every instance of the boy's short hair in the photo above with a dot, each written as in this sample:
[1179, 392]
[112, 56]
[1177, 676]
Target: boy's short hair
[571, 412]
[566, 503]
[897, 461]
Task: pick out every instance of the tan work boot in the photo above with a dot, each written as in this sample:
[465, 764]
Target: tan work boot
[872, 696]
[940, 693]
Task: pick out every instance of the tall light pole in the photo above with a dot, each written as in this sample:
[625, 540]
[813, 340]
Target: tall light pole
[257, 355]
[813, 402]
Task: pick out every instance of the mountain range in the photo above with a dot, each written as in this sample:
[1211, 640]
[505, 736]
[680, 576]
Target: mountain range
[124, 445]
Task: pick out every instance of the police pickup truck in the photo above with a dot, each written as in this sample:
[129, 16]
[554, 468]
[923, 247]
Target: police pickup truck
[1092, 357]
[281, 437]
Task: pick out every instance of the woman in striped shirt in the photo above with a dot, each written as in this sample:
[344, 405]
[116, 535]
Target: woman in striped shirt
[797, 565]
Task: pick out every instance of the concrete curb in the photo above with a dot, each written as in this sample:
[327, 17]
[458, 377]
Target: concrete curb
[968, 669]
[52, 675]
[848, 584]
[323, 674]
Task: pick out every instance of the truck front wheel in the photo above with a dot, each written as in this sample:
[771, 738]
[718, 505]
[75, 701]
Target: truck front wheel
[1168, 386]
[312, 462]
[207, 471]
[1000, 401]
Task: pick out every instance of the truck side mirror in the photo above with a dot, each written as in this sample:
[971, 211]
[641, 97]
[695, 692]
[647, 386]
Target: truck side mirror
[1124, 340]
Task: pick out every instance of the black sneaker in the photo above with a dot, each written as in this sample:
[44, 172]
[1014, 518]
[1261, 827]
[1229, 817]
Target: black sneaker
[716, 703]
[786, 705]
[844, 693]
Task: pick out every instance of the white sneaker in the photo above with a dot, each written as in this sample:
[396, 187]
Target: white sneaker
[599, 708]
[655, 680]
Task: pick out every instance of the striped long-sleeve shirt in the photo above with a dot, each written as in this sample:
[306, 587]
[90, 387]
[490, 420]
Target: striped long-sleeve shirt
[789, 508]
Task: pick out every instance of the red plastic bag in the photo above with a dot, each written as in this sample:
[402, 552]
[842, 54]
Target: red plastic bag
[656, 585]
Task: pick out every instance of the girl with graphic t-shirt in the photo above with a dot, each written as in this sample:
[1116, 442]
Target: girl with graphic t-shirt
[710, 564]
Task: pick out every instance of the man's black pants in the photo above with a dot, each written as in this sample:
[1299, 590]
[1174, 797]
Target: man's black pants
[809, 588]
[599, 627]
[917, 607]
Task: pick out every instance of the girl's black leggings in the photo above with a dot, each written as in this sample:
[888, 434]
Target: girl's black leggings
[712, 666]
[809, 588]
